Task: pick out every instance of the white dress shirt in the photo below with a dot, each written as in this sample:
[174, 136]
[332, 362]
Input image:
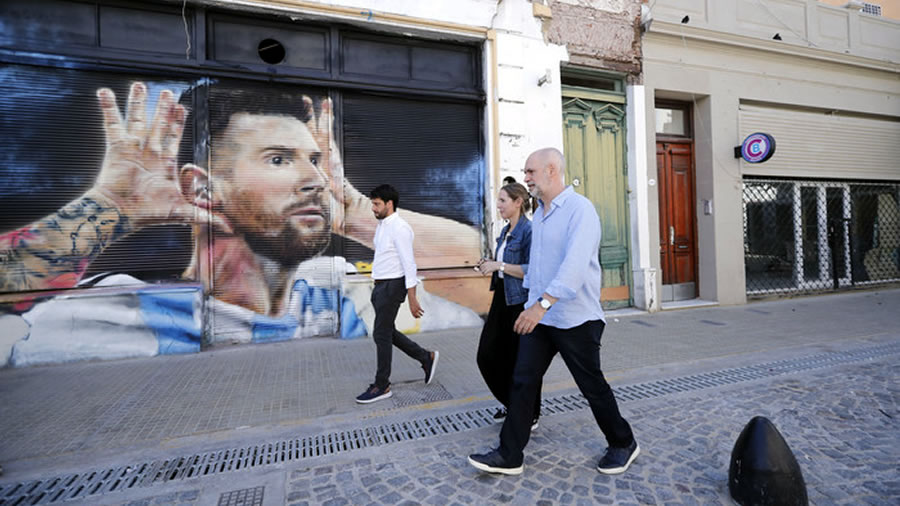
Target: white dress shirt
[394, 251]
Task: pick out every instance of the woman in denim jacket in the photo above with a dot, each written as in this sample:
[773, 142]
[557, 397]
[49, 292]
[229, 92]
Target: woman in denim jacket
[499, 344]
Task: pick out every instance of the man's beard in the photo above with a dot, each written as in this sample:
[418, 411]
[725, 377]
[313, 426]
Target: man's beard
[289, 245]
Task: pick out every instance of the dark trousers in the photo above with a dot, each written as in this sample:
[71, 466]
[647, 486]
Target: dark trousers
[386, 298]
[580, 349]
[499, 347]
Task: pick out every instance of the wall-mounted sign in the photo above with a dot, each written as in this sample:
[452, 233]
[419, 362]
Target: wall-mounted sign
[756, 148]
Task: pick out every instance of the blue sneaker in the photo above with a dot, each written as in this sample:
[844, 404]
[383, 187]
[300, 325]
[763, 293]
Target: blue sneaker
[373, 393]
[493, 462]
[617, 460]
[430, 367]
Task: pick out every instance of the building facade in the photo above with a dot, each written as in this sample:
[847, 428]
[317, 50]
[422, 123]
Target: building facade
[181, 175]
[821, 81]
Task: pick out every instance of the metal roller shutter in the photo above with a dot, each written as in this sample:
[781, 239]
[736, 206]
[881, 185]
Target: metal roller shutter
[428, 150]
[54, 145]
[268, 178]
[820, 145]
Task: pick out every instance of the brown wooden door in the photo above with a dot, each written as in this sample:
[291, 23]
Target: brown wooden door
[677, 239]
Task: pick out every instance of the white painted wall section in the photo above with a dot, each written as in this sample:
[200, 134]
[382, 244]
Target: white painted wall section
[644, 275]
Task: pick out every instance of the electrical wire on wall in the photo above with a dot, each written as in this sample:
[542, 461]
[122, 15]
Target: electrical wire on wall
[187, 33]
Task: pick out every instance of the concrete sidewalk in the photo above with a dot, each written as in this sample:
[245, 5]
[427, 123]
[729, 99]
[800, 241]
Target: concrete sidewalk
[55, 419]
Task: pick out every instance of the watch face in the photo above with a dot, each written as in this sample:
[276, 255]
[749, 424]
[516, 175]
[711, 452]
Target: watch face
[544, 303]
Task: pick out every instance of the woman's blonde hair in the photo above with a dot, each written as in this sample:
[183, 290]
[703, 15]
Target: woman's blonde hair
[517, 191]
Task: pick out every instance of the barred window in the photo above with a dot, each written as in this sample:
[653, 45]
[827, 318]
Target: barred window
[806, 235]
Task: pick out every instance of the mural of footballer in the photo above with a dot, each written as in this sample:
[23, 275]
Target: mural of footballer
[263, 213]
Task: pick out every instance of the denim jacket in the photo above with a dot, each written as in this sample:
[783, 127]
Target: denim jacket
[518, 249]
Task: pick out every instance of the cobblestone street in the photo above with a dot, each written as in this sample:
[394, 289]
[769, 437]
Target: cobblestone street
[842, 424]
[824, 370]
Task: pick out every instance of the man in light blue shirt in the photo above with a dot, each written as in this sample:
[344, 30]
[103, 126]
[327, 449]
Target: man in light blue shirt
[563, 315]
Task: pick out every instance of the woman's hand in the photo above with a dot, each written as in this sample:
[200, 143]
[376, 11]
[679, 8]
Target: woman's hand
[487, 267]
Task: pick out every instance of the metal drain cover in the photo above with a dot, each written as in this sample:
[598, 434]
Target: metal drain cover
[243, 497]
[412, 396]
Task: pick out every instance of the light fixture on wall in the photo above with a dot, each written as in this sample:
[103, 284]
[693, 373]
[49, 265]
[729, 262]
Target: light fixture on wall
[646, 18]
[546, 78]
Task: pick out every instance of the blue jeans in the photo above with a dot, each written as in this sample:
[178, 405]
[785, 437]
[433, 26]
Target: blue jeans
[580, 349]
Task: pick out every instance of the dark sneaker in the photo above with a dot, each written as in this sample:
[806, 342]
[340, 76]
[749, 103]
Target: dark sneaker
[492, 462]
[617, 460]
[500, 415]
[431, 366]
[535, 424]
[373, 394]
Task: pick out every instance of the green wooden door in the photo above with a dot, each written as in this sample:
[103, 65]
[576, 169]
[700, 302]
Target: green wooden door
[594, 136]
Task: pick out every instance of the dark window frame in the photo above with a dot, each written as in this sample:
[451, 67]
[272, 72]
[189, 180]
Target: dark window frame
[199, 25]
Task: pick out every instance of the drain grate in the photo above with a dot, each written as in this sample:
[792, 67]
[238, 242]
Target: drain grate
[412, 396]
[244, 497]
[93, 483]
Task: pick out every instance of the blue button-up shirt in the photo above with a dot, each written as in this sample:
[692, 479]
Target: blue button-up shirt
[565, 263]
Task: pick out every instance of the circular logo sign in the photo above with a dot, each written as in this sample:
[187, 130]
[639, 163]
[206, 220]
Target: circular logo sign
[758, 147]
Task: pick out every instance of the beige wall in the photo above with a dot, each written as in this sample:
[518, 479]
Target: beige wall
[716, 72]
[889, 8]
[807, 24]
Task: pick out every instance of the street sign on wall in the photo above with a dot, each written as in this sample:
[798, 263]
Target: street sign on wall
[756, 148]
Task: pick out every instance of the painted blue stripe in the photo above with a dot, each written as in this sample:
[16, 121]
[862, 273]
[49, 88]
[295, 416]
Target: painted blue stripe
[171, 317]
[352, 325]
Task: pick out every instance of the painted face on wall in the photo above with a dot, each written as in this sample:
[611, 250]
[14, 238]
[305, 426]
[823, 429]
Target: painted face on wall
[507, 206]
[274, 191]
[381, 209]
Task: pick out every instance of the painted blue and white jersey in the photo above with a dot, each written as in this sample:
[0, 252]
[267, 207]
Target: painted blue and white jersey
[135, 319]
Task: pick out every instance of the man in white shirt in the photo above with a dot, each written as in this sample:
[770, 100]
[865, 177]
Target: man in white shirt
[394, 272]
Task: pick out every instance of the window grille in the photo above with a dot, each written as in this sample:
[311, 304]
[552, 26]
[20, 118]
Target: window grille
[805, 236]
[873, 9]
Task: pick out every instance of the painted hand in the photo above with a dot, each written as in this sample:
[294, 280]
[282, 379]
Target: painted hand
[139, 172]
[347, 202]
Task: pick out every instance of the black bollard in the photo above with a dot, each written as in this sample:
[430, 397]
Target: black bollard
[763, 468]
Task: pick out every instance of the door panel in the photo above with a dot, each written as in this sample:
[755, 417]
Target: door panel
[678, 257]
[595, 165]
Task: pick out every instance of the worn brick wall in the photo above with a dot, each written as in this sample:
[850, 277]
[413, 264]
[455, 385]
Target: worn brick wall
[603, 34]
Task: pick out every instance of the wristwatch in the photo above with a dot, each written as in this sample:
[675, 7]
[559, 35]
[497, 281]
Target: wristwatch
[502, 267]
[544, 303]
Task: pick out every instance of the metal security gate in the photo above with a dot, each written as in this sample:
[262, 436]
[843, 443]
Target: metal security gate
[805, 235]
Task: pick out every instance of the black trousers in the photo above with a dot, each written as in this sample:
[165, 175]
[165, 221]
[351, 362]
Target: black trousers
[499, 347]
[580, 349]
[386, 298]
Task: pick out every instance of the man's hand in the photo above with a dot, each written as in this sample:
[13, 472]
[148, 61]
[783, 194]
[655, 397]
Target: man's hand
[139, 172]
[529, 319]
[414, 308]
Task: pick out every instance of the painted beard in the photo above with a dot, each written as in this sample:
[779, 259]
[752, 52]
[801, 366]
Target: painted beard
[277, 237]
